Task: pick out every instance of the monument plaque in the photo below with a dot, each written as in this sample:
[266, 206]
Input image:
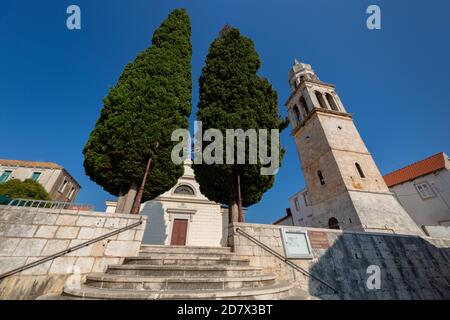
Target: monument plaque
[296, 243]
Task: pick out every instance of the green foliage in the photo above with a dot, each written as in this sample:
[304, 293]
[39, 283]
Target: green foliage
[233, 96]
[28, 189]
[150, 100]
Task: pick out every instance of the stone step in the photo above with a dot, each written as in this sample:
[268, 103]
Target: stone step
[186, 260]
[178, 283]
[276, 291]
[57, 296]
[183, 271]
[184, 249]
[299, 294]
[183, 254]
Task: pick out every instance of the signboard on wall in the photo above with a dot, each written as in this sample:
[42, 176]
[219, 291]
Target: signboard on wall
[318, 239]
[296, 243]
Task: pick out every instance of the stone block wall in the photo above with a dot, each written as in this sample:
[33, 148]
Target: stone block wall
[29, 234]
[411, 267]
[437, 231]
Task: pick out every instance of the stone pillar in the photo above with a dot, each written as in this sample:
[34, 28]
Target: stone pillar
[131, 194]
[120, 201]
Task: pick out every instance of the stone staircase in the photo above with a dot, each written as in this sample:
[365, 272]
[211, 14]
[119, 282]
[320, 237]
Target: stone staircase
[179, 272]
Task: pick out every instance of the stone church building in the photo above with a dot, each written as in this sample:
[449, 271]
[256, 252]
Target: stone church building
[183, 216]
[344, 188]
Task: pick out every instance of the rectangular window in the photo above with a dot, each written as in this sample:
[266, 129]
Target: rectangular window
[35, 176]
[296, 203]
[305, 198]
[63, 186]
[5, 176]
[425, 190]
[69, 197]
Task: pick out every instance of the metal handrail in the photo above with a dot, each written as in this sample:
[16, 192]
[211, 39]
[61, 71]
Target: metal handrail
[49, 204]
[71, 249]
[284, 259]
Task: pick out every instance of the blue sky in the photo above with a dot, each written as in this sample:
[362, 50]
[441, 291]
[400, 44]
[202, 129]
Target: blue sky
[395, 80]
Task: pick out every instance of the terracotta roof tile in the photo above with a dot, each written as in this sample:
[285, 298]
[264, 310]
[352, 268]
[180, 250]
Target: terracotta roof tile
[29, 164]
[415, 170]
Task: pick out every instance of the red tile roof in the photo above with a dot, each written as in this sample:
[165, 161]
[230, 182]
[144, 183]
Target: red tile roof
[415, 170]
[29, 164]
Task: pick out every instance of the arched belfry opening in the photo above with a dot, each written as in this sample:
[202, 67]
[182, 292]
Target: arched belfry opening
[297, 114]
[321, 100]
[331, 102]
[304, 106]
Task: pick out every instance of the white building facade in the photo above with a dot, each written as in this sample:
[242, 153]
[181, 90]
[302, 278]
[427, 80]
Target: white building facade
[300, 209]
[423, 189]
[184, 216]
[60, 185]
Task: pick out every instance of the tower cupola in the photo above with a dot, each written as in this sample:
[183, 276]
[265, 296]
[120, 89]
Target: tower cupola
[299, 72]
[309, 94]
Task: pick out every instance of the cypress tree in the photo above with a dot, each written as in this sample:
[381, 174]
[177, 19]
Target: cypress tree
[151, 99]
[233, 96]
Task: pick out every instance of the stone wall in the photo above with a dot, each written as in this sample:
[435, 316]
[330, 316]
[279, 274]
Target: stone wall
[438, 231]
[411, 267]
[29, 234]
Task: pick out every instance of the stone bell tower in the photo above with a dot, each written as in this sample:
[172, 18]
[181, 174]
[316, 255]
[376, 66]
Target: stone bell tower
[344, 186]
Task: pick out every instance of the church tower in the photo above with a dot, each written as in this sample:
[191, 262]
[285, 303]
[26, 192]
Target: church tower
[344, 186]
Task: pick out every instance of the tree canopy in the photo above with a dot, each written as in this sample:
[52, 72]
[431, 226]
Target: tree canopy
[151, 98]
[233, 96]
[28, 189]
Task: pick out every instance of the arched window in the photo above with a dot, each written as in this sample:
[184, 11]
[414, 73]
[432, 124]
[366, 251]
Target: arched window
[184, 189]
[321, 179]
[333, 223]
[321, 100]
[304, 106]
[358, 167]
[331, 102]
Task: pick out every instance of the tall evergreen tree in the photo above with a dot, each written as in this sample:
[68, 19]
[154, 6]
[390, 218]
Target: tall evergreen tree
[233, 96]
[151, 98]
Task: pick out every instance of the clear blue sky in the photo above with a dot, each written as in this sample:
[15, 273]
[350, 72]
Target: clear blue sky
[395, 81]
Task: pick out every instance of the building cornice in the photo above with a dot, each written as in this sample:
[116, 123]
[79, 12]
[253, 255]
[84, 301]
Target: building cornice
[338, 114]
[182, 211]
[186, 199]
